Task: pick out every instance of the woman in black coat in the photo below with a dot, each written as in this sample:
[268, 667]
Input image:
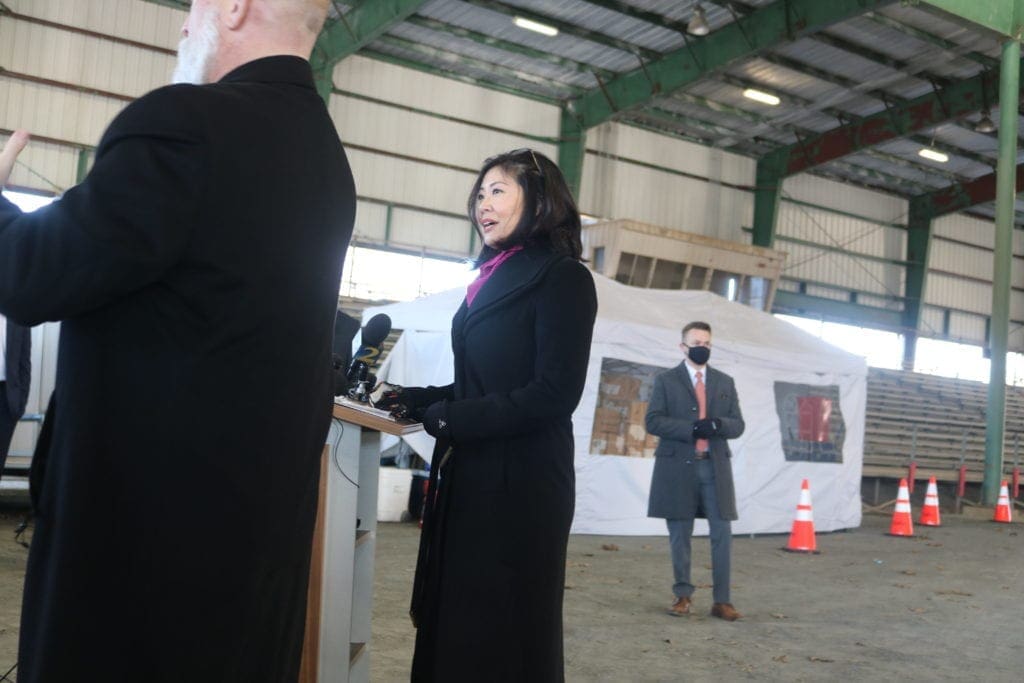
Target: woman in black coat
[487, 598]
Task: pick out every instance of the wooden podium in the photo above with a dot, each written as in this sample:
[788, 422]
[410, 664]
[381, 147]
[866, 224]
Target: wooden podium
[340, 600]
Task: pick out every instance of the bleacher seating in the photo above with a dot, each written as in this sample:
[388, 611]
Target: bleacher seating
[937, 421]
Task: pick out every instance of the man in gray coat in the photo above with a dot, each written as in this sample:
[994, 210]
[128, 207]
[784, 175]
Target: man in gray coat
[694, 410]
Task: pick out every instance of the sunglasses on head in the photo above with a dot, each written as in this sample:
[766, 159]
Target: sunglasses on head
[527, 150]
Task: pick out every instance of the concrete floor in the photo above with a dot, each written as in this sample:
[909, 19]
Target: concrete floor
[944, 605]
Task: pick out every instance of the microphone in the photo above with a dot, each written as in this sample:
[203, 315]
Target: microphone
[360, 379]
[345, 328]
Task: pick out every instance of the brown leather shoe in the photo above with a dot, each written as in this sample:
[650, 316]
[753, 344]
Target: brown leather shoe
[680, 607]
[724, 610]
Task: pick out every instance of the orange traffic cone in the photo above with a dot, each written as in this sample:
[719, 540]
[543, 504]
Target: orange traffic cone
[1003, 506]
[801, 538]
[930, 511]
[901, 522]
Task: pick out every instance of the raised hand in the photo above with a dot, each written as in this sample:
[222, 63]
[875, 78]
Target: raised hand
[10, 153]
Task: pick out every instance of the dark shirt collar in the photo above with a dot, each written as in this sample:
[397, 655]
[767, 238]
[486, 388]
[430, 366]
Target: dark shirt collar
[276, 69]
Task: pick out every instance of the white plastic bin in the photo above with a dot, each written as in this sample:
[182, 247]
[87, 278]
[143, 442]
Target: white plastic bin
[393, 493]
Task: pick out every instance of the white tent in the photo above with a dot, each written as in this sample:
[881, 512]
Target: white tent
[642, 327]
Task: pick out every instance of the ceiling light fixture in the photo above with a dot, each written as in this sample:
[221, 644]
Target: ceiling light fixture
[535, 26]
[698, 25]
[933, 154]
[763, 97]
[985, 124]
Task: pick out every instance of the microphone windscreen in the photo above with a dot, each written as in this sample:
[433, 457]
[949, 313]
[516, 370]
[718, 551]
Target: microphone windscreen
[376, 330]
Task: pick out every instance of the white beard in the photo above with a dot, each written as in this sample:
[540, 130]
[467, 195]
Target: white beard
[196, 52]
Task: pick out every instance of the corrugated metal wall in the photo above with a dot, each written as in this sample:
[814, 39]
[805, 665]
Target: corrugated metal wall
[66, 82]
[415, 141]
[856, 246]
[960, 279]
[636, 174]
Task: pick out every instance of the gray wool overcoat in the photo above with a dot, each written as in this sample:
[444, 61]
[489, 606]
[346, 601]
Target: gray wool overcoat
[670, 416]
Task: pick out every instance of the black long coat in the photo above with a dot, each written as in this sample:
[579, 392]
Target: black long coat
[492, 568]
[196, 273]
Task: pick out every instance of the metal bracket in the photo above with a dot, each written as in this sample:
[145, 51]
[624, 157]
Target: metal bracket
[801, 142]
[938, 96]
[743, 31]
[693, 55]
[348, 26]
[892, 117]
[655, 87]
[604, 91]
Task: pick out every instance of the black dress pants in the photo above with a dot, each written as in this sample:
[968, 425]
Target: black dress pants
[7, 425]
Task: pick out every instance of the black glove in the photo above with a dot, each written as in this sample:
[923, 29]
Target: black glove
[707, 428]
[435, 420]
[406, 402]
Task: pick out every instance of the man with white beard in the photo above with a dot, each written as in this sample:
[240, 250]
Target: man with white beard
[195, 271]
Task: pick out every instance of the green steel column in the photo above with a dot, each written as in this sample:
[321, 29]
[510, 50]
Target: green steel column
[919, 226]
[323, 76]
[1006, 181]
[572, 144]
[389, 215]
[767, 189]
[83, 165]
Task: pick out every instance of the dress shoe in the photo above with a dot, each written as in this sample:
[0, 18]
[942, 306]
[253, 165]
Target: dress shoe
[724, 610]
[680, 607]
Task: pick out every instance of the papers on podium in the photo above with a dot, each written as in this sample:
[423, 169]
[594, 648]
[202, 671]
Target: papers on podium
[368, 416]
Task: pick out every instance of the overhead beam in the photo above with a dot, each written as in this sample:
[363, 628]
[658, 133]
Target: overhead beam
[1002, 16]
[882, 19]
[960, 196]
[518, 78]
[781, 22]
[468, 80]
[833, 309]
[652, 18]
[926, 37]
[764, 124]
[958, 99]
[860, 89]
[508, 46]
[350, 32]
[175, 4]
[672, 118]
[566, 27]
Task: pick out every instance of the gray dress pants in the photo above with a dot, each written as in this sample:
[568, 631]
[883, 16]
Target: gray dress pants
[680, 531]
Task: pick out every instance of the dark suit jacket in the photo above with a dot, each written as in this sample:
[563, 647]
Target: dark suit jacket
[490, 598]
[670, 416]
[18, 368]
[196, 273]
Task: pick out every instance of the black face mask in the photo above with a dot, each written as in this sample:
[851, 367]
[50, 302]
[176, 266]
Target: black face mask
[698, 354]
